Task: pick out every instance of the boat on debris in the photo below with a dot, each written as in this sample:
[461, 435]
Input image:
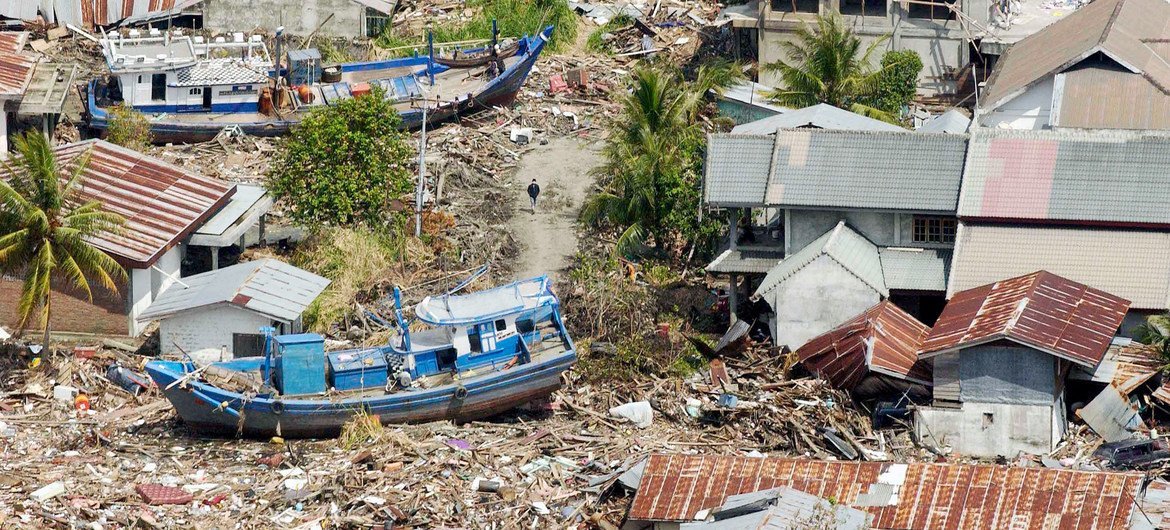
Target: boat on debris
[482, 353]
[191, 89]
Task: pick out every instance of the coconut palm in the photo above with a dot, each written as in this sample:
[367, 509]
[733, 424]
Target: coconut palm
[1155, 331]
[826, 64]
[46, 229]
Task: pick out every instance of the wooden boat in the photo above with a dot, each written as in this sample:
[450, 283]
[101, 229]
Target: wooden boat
[191, 90]
[484, 353]
[476, 56]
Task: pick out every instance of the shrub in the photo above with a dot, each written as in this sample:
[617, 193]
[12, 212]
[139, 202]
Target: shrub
[514, 18]
[128, 128]
[898, 81]
[343, 164]
[596, 44]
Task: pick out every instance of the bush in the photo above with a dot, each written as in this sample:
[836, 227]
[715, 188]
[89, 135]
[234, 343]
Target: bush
[128, 128]
[343, 164]
[514, 18]
[898, 81]
[596, 42]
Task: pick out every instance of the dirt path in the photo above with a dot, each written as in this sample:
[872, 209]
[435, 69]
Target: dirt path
[548, 237]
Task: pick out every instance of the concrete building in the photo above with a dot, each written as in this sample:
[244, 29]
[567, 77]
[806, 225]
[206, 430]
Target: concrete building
[856, 217]
[336, 18]
[226, 308]
[1001, 355]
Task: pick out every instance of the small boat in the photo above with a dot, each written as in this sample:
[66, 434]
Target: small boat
[191, 89]
[477, 56]
[482, 353]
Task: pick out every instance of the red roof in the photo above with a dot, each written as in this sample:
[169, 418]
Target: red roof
[883, 339]
[162, 203]
[16, 67]
[899, 496]
[1042, 310]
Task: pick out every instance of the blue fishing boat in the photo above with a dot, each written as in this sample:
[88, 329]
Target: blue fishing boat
[481, 354]
[191, 89]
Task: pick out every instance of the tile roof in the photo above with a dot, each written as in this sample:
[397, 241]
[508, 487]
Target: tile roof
[837, 169]
[1041, 310]
[821, 116]
[916, 269]
[1126, 31]
[16, 67]
[268, 286]
[162, 203]
[218, 72]
[883, 339]
[746, 261]
[1128, 263]
[841, 244]
[1080, 176]
[899, 496]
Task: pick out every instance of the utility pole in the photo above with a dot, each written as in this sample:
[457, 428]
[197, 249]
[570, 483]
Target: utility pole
[422, 170]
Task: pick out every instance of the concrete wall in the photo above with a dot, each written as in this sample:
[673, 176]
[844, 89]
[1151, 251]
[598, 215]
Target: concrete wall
[807, 225]
[1030, 110]
[147, 284]
[208, 328]
[988, 429]
[816, 299]
[1007, 373]
[299, 17]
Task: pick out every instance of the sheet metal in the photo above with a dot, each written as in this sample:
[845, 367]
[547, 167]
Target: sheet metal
[929, 496]
[16, 67]
[1042, 310]
[91, 13]
[883, 339]
[1111, 416]
[270, 287]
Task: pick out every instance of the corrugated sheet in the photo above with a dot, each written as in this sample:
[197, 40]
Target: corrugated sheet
[946, 379]
[745, 261]
[1115, 178]
[268, 286]
[16, 67]
[883, 339]
[1119, 27]
[928, 496]
[848, 248]
[1041, 310]
[916, 269]
[1111, 416]
[90, 13]
[1103, 97]
[1128, 263]
[837, 169]
[822, 116]
[790, 509]
[1125, 362]
[162, 203]
[951, 122]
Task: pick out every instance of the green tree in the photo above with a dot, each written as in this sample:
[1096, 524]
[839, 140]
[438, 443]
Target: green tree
[827, 64]
[1155, 331]
[344, 163]
[128, 128]
[653, 162]
[46, 229]
[898, 81]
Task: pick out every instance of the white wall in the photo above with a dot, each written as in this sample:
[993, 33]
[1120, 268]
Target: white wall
[1030, 110]
[146, 284]
[1008, 430]
[819, 297]
[208, 328]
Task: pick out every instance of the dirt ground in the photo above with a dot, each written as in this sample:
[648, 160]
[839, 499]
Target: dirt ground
[548, 236]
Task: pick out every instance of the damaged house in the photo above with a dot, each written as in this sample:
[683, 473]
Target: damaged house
[1001, 355]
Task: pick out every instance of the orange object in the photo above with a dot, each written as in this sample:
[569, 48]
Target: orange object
[305, 93]
[359, 89]
[81, 402]
[84, 352]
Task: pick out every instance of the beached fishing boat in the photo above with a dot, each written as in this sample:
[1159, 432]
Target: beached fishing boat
[482, 353]
[191, 89]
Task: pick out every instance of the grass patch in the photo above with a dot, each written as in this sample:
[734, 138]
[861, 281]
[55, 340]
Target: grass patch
[596, 43]
[515, 19]
[361, 430]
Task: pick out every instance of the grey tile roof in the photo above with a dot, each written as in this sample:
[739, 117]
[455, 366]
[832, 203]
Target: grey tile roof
[822, 116]
[916, 269]
[745, 261]
[845, 246]
[814, 168]
[1131, 264]
[1099, 177]
[950, 122]
[268, 286]
[219, 72]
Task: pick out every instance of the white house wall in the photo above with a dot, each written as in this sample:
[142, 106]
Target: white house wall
[299, 17]
[819, 297]
[208, 328]
[147, 284]
[989, 429]
[1028, 111]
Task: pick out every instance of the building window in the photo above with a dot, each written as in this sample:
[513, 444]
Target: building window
[865, 8]
[934, 230]
[501, 325]
[796, 6]
[195, 91]
[375, 22]
[938, 10]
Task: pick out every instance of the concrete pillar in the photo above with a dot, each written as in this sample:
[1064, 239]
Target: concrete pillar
[263, 220]
[733, 228]
[733, 297]
[4, 137]
[214, 258]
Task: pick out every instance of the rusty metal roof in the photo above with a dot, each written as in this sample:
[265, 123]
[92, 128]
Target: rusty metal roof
[899, 496]
[1111, 98]
[16, 67]
[162, 203]
[90, 13]
[883, 339]
[1042, 310]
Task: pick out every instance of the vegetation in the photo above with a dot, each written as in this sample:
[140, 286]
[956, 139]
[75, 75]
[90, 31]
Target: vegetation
[343, 164]
[128, 128]
[45, 230]
[514, 18]
[596, 42]
[1155, 331]
[652, 173]
[827, 64]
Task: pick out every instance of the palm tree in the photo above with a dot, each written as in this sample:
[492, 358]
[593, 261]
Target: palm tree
[1155, 331]
[826, 64]
[45, 229]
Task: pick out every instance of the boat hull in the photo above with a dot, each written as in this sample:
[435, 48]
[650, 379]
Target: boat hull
[294, 417]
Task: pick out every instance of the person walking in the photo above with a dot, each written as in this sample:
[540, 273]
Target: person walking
[533, 192]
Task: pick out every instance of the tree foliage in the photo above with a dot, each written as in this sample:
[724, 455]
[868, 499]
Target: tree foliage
[344, 163]
[45, 229]
[128, 128]
[827, 64]
[653, 162]
[1155, 331]
[898, 81]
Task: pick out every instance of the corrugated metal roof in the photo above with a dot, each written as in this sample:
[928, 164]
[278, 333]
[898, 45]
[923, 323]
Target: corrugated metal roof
[848, 248]
[1103, 97]
[1122, 29]
[162, 203]
[1125, 361]
[821, 116]
[789, 509]
[916, 269]
[884, 339]
[1115, 178]
[752, 93]
[951, 122]
[746, 261]
[927, 496]
[90, 13]
[1128, 263]
[737, 169]
[16, 67]
[1042, 310]
[268, 286]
